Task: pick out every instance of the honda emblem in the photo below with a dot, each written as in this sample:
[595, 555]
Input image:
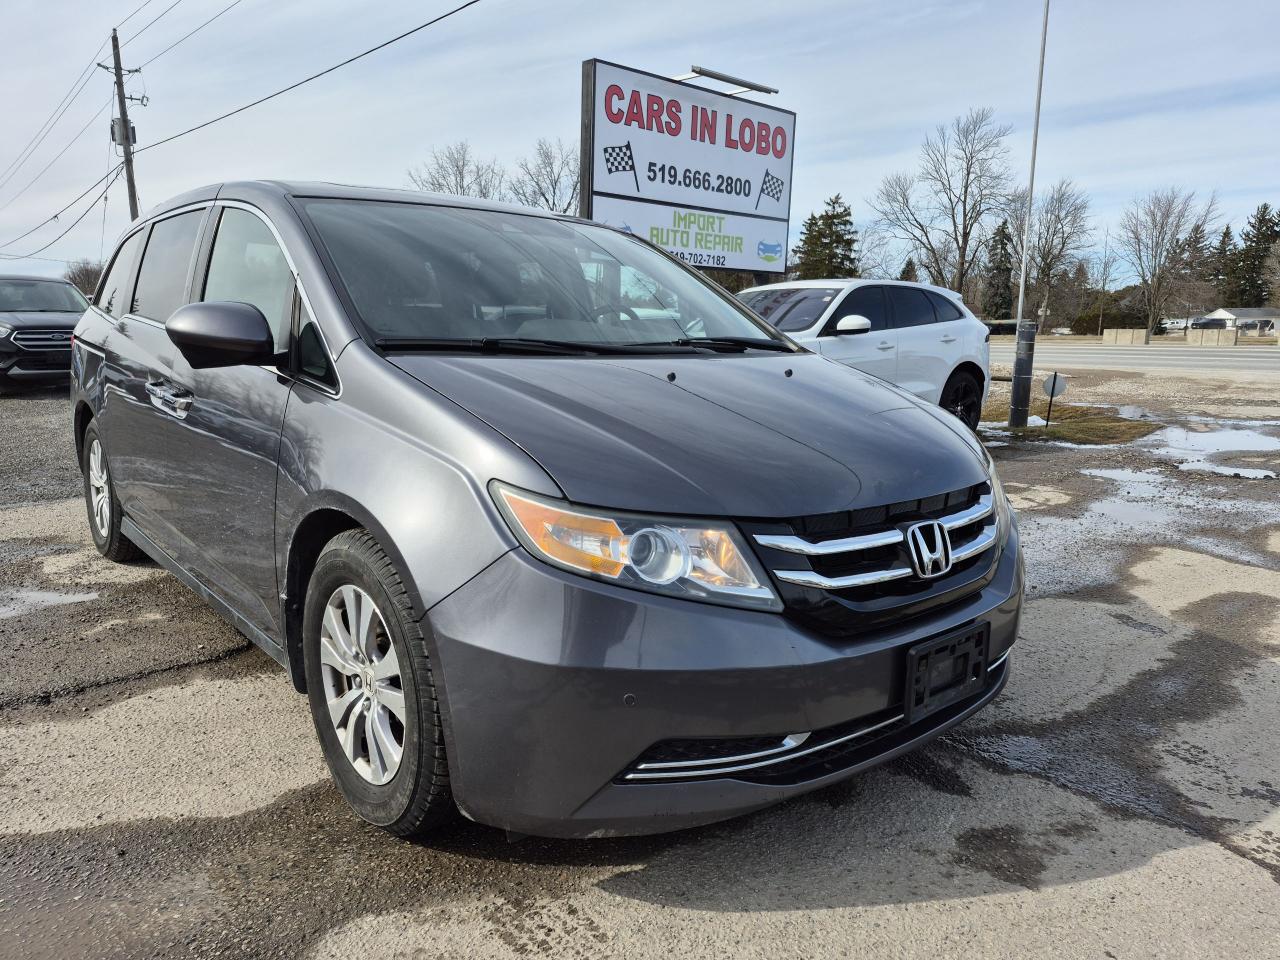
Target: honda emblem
[930, 548]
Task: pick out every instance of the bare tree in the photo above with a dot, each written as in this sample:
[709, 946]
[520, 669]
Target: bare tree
[1060, 232]
[548, 179]
[455, 169]
[84, 274]
[942, 211]
[1150, 232]
[1102, 270]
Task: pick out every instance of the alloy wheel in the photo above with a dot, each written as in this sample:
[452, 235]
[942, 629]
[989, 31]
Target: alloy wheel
[99, 489]
[964, 401]
[362, 684]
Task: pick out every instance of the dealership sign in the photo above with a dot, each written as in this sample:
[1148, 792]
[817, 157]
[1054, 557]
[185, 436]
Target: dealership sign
[702, 174]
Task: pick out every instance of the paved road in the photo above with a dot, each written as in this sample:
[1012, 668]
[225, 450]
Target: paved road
[1096, 356]
[162, 795]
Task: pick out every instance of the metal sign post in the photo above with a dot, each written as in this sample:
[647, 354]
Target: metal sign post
[1055, 385]
[1020, 400]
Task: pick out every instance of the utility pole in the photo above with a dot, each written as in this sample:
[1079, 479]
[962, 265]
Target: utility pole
[1020, 402]
[126, 131]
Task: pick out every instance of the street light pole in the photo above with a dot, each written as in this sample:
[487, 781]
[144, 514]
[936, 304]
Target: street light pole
[1020, 402]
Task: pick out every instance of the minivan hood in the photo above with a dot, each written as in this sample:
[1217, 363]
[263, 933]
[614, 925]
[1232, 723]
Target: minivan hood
[19, 319]
[730, 435]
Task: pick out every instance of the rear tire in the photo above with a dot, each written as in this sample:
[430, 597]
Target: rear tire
[101, 504]
[962, 397]
[371, 688]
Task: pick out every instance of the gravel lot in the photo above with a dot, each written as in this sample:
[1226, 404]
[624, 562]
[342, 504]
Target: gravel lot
[162, 794]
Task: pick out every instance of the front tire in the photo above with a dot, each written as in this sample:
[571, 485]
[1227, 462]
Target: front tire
[371, 688]
[962, 397]
[101, 503]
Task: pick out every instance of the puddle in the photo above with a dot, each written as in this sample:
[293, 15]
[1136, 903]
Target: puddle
[15, 603]
[1193, 448]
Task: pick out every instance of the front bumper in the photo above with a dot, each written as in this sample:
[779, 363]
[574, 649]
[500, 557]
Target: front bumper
[553, 685]
[18, 365]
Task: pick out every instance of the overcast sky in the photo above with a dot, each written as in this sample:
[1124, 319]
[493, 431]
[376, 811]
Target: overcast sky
[1137, 94]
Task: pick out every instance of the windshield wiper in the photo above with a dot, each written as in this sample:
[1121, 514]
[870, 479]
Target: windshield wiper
[732, 343]
[496, 345]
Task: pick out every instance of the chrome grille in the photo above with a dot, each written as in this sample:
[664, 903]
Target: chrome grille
[43, 339]
[844, 572]
[976, 543]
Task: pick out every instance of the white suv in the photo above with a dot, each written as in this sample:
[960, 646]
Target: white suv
[921, 337]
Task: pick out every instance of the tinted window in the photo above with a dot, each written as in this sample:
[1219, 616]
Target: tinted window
[40, 296]
[162, 278]
[864, 302]
[415, 270]
[792, 308]
[911, 306]
[112, 293]
[944, 308]
[248, 266]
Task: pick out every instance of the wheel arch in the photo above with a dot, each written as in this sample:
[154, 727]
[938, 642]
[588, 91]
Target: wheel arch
[328, 515]
[968, 366]
[81, 419]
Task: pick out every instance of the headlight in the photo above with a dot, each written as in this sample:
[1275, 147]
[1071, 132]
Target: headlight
[5, 330]
[692, 559]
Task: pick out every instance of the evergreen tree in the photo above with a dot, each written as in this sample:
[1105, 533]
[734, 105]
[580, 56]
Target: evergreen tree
[909, 271]
[828, 246]
[1222, 268]
[807, 257]
[1260, 234]
[997, 280]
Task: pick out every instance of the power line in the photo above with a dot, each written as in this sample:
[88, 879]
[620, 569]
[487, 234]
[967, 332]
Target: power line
[132, 15]
[185, 36]
[67, 98]
[149, 23]
[74, 223]
[9, 243]
[314, 76]
[55, 157]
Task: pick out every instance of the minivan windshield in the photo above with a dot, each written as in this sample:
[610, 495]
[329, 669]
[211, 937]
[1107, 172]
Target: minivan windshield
[432, 276]
[790, 308]
[41, 296]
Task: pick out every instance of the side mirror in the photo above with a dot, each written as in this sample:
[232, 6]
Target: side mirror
[221, 334]
[854, 323]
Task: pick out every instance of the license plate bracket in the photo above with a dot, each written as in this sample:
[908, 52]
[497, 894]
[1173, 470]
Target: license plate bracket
[944, 670]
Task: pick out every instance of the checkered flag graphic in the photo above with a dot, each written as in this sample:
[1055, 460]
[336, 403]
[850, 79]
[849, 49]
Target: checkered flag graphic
[771, 187]
[620, 160]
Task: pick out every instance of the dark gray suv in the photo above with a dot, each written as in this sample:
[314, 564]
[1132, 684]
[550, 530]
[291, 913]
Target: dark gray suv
[546, 525]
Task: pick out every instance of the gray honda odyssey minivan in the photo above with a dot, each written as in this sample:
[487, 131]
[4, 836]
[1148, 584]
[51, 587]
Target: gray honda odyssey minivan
[546, 526]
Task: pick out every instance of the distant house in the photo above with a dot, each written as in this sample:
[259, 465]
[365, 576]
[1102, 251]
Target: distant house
[1248, 316]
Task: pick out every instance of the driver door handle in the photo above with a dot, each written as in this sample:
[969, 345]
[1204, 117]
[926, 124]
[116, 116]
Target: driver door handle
[948, 339]
[170, 398]
[884, 345]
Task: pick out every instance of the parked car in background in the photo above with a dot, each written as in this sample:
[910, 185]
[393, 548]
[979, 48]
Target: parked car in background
[1208, 323]
[542, 522]
[921, 337]
[37, 317]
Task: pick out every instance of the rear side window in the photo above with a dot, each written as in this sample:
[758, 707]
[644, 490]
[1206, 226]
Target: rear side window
[113, 291]
[863, 302]
[944, 308]
[911, 307]
[248, 266]
[162, 278]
